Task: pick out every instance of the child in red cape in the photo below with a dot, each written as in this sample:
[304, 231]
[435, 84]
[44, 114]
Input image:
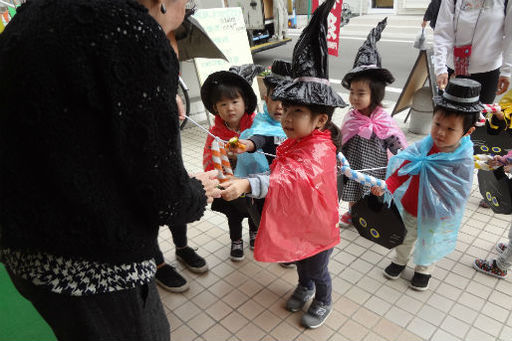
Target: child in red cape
[230, 97]
[300, 215]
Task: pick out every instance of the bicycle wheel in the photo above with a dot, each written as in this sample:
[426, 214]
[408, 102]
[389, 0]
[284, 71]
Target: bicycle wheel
[183, 93]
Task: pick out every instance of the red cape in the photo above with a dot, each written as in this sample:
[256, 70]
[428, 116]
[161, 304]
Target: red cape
[220, 130]
[300, 215]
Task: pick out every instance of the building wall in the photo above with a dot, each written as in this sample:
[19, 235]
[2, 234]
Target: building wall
[411, 6]
[361, 7]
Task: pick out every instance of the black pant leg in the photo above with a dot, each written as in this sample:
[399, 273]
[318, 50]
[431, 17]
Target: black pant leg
[159, 256]
[130, 315]
[179, 235]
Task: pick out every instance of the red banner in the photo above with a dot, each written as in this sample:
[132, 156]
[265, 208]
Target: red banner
[333, 26]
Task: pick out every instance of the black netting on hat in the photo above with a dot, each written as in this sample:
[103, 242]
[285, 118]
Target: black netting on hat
[247, 71]
[310, 52]
[367, 53]
[282, 68]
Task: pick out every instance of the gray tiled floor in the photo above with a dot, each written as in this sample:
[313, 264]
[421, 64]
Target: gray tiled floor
[244, 301]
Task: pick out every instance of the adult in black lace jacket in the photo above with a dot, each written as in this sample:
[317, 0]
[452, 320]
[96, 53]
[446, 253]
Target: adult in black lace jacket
[91, 162]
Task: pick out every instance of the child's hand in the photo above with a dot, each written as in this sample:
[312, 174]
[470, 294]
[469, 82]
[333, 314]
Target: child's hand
[234, 188]
[376, 190]
[499, 115]
[495, 162]
[245, 146]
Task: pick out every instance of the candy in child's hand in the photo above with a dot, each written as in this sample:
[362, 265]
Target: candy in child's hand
[235, 144]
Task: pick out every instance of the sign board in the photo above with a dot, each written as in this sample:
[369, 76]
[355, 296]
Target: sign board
[333, 25]
[226, 28]
[422, 70]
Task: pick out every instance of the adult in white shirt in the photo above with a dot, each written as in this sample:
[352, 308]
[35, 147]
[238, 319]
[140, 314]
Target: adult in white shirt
[487, 26]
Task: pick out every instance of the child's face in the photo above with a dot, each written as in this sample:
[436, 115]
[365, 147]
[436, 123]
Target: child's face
[360, 95]
[231, 110]
[298, 121]
[447, 131]
[275, 108]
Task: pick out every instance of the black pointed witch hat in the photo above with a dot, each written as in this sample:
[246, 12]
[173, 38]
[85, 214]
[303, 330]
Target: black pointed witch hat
[368, 62]
[310, 84]
[240, 76]
[281, 72]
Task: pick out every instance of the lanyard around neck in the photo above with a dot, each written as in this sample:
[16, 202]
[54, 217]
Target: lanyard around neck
[463, 2]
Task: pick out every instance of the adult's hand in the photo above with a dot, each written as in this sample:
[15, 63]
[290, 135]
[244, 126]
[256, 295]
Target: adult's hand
[503, 84]
[442, 80]
[423, 23]
[210, 183]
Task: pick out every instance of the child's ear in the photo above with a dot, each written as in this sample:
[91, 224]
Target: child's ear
[322, 120]
[470, 131]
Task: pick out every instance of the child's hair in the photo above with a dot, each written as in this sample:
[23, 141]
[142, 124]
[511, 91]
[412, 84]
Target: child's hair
[377, 90]
[228, 91]
[468, 119]
[269, 90]
[335, 131]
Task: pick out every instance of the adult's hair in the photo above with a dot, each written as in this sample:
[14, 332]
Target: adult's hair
[228, 91]
[468, 119]
[377, 90]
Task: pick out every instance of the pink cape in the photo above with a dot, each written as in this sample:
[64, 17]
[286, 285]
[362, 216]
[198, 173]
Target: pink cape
[300, 215]
[379, 122]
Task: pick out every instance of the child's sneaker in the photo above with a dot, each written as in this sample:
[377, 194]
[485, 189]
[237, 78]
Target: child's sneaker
[393, 271]
[489, 268]
[501, 247]
[299, 297]
[346, 219]
[237, 251]
[288, 265]
[191, 259]
[420, 281]
[169, 279]
[252, 238]
[316, 314]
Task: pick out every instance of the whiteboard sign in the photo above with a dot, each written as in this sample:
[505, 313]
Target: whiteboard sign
[226, 28]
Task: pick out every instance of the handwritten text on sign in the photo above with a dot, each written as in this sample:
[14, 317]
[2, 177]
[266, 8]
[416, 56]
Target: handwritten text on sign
[226, 28]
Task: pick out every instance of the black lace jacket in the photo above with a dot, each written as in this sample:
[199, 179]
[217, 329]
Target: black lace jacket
[90, 155]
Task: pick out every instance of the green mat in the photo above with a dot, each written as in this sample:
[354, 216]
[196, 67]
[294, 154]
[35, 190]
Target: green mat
[19, 320]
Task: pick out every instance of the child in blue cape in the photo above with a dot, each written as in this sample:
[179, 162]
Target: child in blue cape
[431, 181]
[265, 135]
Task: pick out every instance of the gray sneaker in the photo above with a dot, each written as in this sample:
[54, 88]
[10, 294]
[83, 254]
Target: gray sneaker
[316, 314]
[299, 297]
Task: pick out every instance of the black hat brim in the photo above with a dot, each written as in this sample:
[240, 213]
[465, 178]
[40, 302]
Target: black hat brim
[227, 77]
[272, 82]
[469, 108]
[372, 72]
[308, 93]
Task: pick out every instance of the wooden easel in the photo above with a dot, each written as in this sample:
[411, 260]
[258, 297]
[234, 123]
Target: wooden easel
[422, 70]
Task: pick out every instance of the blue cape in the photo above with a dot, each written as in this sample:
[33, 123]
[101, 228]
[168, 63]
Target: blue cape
[253, 163]
[444, 186]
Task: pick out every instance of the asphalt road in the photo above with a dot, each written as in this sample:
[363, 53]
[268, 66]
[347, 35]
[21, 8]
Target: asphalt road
[398, 57]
